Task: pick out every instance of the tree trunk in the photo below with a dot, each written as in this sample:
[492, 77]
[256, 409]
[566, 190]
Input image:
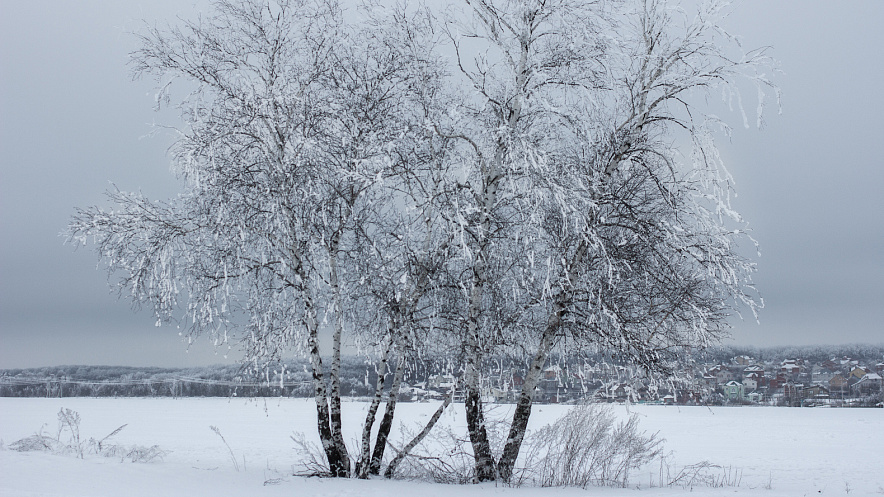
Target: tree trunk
[362, 468]
[338, 462]
[380, 443]
[485, 466]
[485, 469]
[526, 398]
[335, 370]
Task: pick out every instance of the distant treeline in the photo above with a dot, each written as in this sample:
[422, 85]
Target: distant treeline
[121, 381]
[864, 353]
[293, 378]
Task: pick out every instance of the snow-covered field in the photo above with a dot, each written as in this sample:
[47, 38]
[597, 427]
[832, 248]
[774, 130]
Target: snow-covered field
[769, 451]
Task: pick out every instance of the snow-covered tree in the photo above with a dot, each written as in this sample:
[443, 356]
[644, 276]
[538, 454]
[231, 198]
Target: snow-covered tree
[296, 128]
[484, 177]
[595, 210]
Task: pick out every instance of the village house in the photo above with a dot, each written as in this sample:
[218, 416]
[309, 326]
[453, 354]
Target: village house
[847, 364]
[616, 392]
[790, 369]
[755, 369]
[440, 381]
[733, 391]
[755, 397]
[869, 384]
[722, 375]
[831, 365]
[820, 374]
[838, 386]
[857, 373]
[743, 360]
[815, 392]
[708, 381]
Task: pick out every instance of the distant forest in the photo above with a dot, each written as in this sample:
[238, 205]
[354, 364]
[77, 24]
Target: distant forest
[814, 353]
[293, 379]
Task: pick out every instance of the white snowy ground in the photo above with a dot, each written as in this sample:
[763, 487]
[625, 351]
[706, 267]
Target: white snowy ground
[775, 451]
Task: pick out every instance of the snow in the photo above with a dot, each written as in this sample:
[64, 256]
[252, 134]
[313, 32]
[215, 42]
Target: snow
[775, 451]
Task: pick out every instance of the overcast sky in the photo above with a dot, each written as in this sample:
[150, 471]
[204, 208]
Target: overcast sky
[811, 184]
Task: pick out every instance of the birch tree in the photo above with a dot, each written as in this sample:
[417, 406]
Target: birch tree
[289, 146]
[584, 221]
[492, 175]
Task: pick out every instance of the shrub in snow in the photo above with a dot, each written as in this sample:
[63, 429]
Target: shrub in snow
[37, 443]
[69, 421]
[312, 461]
[586, 447]
[69, 424]
[133, 453]
[701, 474]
